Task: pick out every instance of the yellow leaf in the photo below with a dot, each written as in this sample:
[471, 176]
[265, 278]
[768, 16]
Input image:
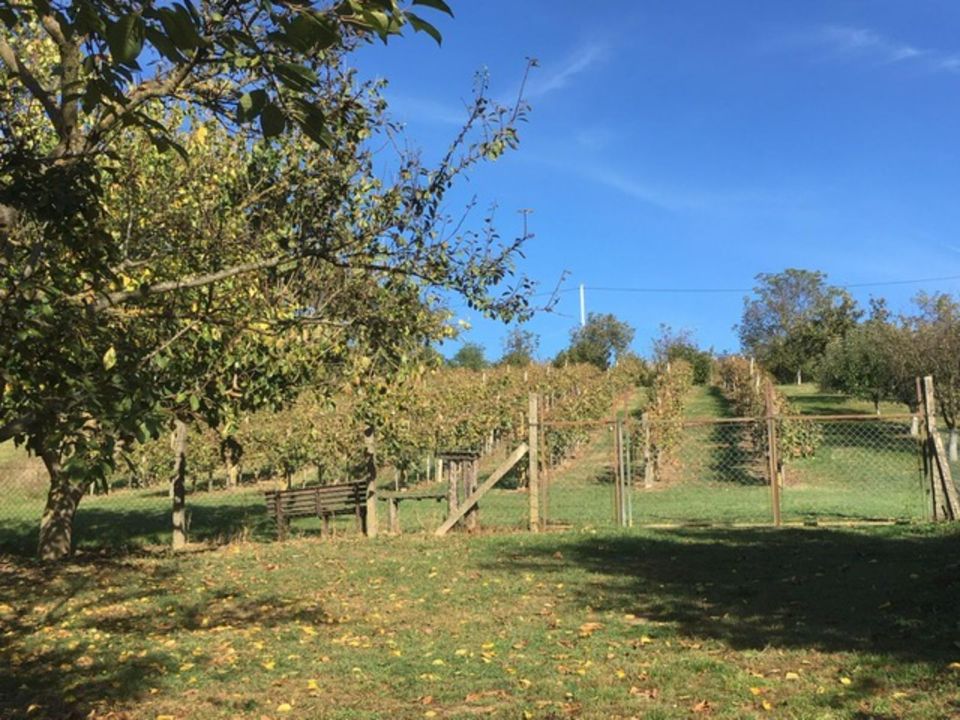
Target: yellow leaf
[430, 713]
[846, 681]
[166, 717]
[792, 676]
[766, 705]
[269, 664]
[589, 628]
[438, 661]
[312, 685]
[954, 666]
[755, 691]
[284, 707]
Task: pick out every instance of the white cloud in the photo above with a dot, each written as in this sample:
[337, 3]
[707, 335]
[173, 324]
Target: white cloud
[425, 110]
[869, 45]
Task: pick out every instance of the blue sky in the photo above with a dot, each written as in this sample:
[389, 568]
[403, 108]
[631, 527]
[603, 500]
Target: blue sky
[696, 144]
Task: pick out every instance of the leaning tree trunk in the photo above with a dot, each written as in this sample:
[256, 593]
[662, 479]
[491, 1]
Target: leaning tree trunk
[178, 487]
[56, 525]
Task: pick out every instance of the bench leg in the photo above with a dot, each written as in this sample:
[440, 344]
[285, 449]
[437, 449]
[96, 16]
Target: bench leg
[362, 519]
[325, 527]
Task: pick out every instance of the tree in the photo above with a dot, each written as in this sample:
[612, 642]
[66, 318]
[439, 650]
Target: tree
[98, 300]
[599, 342]
[519, 348]
[672, 345]
[470, 356]
[872, 361]
[792, 318]
[936, 336]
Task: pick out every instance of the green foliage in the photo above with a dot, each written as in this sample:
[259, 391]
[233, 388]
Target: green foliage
[520, 348]
[665, 410]
[138, 285]
[746, 391]
[469, 356]
[599, 342]
[672, 345]
[792, 318]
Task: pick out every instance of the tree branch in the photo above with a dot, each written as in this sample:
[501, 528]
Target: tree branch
[9, 58]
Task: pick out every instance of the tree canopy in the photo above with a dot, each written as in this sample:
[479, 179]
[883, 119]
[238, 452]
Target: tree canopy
[791, 318]
[139, 284]
[599, 342]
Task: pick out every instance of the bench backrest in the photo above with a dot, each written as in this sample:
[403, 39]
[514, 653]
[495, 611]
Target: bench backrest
[319, 500]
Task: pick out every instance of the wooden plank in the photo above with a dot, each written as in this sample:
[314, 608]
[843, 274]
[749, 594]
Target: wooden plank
[487, 484]
[412, 494]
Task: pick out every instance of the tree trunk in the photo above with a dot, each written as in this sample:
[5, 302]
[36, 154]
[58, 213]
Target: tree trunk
[799, 376]
[952, 452]
[56, 525]
[914, 426]
[370, 451]
[876, 404]
[178, 486]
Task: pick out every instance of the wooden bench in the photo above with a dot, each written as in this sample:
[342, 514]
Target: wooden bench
[393, 498]
[322, 501]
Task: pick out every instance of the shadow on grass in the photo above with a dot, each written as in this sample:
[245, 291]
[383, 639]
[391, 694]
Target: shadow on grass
[72, 680]
[119, 529]
[818, 590]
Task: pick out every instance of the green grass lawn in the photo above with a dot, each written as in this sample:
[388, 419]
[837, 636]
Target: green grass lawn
[719, 623]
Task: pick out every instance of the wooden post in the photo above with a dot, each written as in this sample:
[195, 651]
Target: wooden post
[393, 515]
[533, 474]
[647, 455]
[469, 473]
[773, 461]
[628, 485]
[453, 498]
[946, 504]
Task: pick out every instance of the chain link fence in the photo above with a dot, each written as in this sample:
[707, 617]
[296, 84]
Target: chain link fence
[828, 469]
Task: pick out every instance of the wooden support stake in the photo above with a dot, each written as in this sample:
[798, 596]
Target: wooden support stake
[474, 498]
[773, 461]
[393, 515]
[647, 454]
[533, 476]
[946, 504]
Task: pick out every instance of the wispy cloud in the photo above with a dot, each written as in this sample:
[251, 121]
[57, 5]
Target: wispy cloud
[553, 77]
[866, 44]
[426, 110]
[689, 198]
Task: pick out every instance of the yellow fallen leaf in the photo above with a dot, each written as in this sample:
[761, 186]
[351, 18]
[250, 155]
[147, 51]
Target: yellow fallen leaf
[846, 681]
[284, 707]
[755, 691]
[898, 695]
[438, 661]
[166, 717]
[792, 676]
[269, 664]
[589, 628]
[766, 705]
[312, 685]
[954, 666]
[430, 713]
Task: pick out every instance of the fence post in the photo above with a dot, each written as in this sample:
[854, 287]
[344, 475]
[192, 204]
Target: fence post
[946, 505]
[533, 474]
[773, 461]
[647, 455]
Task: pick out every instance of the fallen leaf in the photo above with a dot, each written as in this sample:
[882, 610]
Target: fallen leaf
[792, 676]
[284, 707]
[846, 681]
[702, 706]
